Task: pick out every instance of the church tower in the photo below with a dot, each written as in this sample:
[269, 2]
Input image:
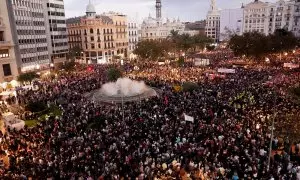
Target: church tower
[158, 9]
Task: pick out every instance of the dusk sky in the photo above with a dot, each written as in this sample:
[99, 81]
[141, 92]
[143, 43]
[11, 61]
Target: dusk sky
[186, 10]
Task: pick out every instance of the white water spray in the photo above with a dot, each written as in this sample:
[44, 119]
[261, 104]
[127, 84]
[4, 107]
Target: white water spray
[124, 86]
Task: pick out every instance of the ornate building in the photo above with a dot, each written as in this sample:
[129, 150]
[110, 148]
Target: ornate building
[99, 36]
[212, 28]
[156, 28]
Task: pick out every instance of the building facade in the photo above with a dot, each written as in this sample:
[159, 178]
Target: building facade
[8, 59]
[133, 37]
[30, 25]
[57, 31]
[296, 27]
[231, 22]
[99, 36]
[158, 28]
[212, 27]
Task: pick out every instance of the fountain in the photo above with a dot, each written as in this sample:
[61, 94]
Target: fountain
[123, 90]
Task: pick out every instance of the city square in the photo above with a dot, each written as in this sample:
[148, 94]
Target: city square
[107, 96]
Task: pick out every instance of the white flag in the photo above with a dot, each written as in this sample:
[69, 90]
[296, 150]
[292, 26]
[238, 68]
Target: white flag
[188, 118]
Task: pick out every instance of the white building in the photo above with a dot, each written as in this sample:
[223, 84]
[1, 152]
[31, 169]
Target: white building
[153, 29]
[281, 15]
[29, 19]
[296, 28]
[133, 35]
[57, 31]
[231, 22]
[158, 28]
[212, 27]
[8, 60]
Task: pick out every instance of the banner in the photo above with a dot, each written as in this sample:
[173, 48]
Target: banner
[225, 70]
[291, 65]
[201, 62]
[188, 118]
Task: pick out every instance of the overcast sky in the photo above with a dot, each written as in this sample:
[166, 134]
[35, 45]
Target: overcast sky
[186, 10]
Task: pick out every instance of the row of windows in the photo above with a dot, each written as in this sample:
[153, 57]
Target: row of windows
[58, 29]
[32, 41]
[4, 53]
[29, 14]
[27, 4]
[33, 50]
[58, 6]
[132, 25]
[58, 36]
[256, 21]
[55, 21]
[59, 44]
[34, 59]
[132, 33]
[30, 23]
[56, 13]
[31, 32]
[61, 51]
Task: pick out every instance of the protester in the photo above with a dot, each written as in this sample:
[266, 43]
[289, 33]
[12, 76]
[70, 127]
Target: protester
[229, 138]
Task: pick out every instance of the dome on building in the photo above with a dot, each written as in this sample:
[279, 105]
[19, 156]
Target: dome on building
[90, 8]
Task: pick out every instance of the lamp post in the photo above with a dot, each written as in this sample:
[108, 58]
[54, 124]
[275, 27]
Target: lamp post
[272, 134]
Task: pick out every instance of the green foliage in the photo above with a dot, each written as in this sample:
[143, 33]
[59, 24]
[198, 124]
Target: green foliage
[27, 77]
[296, 91]
[153, 49]
[255, 44]
[189, 86]
[210, 47]
[74, 52]
[31, 123]
[68, 66]
[180, 61]
[97, 123]
[36, 106]
[113, 74]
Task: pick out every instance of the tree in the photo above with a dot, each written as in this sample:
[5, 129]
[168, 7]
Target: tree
[152, 49]
[180, 61]
[74, 52]
[200, 41]
[282, 40]
[113, 74]
[68, 66]
[27, 77]
[256, 45]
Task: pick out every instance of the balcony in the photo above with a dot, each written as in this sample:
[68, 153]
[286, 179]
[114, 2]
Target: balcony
[5, 43]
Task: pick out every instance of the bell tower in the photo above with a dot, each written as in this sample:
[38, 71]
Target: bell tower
[158, 9]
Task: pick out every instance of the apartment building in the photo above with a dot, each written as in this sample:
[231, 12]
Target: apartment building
[8, 59]
[57, 31]
[99, 36]
[212, 27]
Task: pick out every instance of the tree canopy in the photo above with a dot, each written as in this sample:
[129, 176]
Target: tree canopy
[255, 44]
[153, 49]
[28, 77]
[113, 74]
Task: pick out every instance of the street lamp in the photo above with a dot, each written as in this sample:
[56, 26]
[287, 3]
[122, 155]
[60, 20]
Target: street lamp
[52, 65]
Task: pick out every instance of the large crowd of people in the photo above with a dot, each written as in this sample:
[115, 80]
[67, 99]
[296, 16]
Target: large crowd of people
[229, 138]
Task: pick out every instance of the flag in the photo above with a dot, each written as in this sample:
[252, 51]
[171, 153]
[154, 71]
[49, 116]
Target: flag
[188, 118]
[166, 100]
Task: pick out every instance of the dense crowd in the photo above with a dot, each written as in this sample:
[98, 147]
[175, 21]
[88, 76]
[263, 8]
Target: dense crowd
[229, 138]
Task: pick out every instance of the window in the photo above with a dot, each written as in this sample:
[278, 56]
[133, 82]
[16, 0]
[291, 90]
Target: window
[1, 35]
[92, 38]
[6, 70]
[91, 31]
[4, 53]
